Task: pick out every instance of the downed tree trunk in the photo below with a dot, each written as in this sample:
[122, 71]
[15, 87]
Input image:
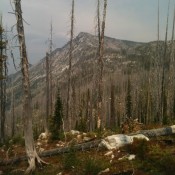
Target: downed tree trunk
[56, 151]
[83, 146]
[169, 130]
[92, 144]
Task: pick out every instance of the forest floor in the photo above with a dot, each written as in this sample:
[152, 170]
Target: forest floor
[155, 157]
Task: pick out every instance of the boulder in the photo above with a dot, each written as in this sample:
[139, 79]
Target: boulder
[74, 132]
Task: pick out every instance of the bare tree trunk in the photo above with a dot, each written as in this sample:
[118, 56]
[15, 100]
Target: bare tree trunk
[2, 83]
[98, 25]
[113, 112]
[101, 66]
[70, 65]
[47, 94]
[50, 71]
[12, 109]
[27, 107]
[163, 69]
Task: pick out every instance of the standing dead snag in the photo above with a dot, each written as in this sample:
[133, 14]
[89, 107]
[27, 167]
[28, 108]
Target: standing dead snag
[3, 72]
[27, 107]
[47, 94]
[163, 78]
[70, 66]
[101, 66]
[49, 83]
[50, 71]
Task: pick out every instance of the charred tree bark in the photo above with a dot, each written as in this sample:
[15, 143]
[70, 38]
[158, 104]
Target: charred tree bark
[47, 94]
[70, 66]
[113, 112]
[101, 66]
[50, 71]
[163, 90]
[32, 155]
[3, 69]
[12, 109]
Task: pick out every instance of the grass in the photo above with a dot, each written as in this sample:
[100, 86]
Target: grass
[152, 158]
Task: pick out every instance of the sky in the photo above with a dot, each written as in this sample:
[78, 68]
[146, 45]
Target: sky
[134, 20]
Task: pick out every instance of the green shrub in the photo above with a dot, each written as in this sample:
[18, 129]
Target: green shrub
[18, 139]
[167, 163]
[70, 160]
[93, 166]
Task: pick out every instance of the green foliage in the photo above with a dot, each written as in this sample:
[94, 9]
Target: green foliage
[70, 160]
[81, 125]
[56, 120]
[158, 163]
[94, 166]
[18, 139]
[167, 163]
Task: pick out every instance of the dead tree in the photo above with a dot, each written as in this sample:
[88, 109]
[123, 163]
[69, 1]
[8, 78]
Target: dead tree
[101, 66]
[32, 155]
[51, 71]
[47, 94]
[163, 78]
[3, 71]
[70, 66]
[113, 112]
[12, 108]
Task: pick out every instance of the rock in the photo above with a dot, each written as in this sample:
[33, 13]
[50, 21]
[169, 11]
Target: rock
[74, 132]
[41, 150]
[129, 157]
[104, 171]
[60, 173]
[112, 156]
[86, 139]
[60, 144]
[109, 153]
[43, 136]
[79, 137]
[38, 144]
[84, 134]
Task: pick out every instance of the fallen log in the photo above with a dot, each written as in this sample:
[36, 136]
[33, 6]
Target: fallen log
[169, 130]
[56, 151]
[92, 144]
[78, 147]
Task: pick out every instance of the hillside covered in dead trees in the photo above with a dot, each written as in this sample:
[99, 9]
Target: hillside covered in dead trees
[96, 105]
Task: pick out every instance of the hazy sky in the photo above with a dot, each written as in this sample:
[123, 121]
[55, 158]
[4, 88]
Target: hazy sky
[126, 19]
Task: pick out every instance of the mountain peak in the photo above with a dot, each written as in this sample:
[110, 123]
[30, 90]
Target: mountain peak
[83, 34]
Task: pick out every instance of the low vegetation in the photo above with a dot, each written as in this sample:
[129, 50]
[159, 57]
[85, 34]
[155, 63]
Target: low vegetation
[151, 158]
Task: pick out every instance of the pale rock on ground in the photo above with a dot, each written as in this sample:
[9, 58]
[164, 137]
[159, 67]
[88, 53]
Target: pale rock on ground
[74, 132]
[109, 153]
[43, 136]
[129, 157]
[104, 171]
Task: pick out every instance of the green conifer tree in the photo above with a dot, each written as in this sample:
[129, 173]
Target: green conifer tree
[56, 121]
